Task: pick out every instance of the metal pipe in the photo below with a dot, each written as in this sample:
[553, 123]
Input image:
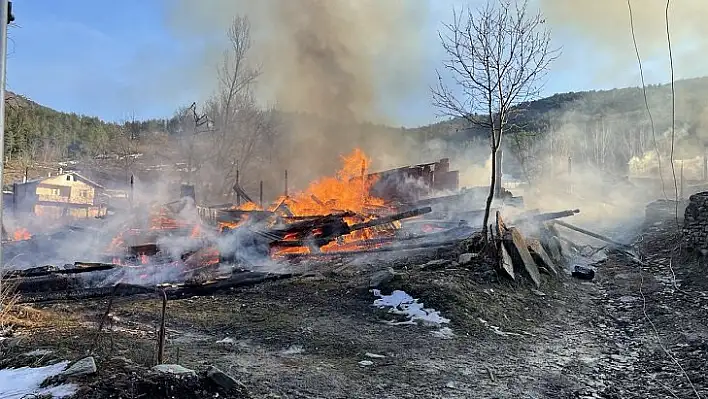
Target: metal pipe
[5, 18]
[260, 195]
[286, 183]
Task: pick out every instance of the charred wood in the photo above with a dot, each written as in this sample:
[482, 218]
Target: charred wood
[544, 217]
[594, 235]
[172, 291]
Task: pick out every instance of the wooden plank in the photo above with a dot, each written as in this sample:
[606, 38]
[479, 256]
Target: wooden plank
[507, 265]
[526, 260]
[537, 249]
[549, 240]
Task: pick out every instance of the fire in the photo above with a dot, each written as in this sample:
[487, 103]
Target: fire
[249, 206]
[348, 190]
[21, 234]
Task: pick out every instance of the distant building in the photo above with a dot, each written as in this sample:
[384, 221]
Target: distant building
[63, 195]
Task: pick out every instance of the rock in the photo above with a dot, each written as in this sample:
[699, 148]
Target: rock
[435, 264]
[583, 273]
[538, 293]
[466, 258]
[84, 366]
[224, 380]
[382, 277]
[174, 369]
[374, 355]
[366, 363]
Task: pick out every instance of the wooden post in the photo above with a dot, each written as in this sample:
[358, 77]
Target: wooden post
[238, 192]
[132, 192]
[363, 182]
[161, 331]
[681, 192]
[570, 174]
[260, 195]
[286, 183]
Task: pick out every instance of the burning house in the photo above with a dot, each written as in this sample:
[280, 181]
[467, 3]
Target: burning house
[64, 195]
[416, 181]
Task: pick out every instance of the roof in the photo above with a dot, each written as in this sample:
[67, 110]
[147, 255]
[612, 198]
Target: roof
[76, 175]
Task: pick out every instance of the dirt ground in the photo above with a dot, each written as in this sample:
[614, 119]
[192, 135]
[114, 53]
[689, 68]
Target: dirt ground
[633, 332]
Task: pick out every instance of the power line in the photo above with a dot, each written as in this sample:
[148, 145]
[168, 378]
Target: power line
[646, 100]
[673, 114]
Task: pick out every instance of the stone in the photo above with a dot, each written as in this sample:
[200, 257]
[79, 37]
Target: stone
[466, 258]
[84, 366]
[382, 277]
[224, 380]
[374, 355]
[174, 369]
[435, 264]
[366, 363]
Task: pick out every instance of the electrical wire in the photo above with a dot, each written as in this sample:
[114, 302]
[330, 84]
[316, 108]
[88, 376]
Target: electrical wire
[673, 114]
[646, 99]
[656, 331]
[676, 192]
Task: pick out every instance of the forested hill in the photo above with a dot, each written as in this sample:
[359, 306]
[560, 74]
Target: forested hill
[36, 131]
[625, 106]
[606, 127]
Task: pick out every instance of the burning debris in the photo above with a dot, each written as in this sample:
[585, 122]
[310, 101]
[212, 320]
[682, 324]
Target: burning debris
[186, 249]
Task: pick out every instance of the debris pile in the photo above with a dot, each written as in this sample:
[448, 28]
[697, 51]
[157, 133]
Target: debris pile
[695, 225]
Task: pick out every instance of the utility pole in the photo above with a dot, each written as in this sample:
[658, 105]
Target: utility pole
[5, 18]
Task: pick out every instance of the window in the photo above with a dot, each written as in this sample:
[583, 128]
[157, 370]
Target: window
[56, 191]
[83, 193]
[68, 177]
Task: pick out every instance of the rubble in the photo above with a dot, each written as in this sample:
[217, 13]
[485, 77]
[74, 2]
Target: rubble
[174, 369]
[695, 225]
[81, 367]
[224, 380]
[382, 277]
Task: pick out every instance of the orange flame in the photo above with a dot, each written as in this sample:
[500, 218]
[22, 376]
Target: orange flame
[348, 190]
[21, 234]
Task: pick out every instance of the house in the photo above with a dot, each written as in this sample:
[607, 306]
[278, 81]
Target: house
[64, 195]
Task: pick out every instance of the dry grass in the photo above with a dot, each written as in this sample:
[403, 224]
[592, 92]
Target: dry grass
[15, 315]
[8, 301]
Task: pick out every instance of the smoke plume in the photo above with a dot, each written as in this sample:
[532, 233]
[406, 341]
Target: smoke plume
[339, 62]
[603, 27]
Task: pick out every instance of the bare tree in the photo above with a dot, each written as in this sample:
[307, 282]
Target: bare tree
[126, 144]
[497, 56]
[27, 156]
[241, 126]
[191, 137]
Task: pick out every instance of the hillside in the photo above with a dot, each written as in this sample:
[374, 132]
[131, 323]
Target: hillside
[602, 128]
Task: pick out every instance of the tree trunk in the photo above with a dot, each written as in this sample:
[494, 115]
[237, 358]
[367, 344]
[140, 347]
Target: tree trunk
[492, 186]
[497, 161]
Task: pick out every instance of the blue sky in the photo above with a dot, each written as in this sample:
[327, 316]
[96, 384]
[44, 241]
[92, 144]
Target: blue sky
[113, 59]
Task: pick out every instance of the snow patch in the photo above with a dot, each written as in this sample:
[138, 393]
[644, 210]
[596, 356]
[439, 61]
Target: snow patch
[25, 381]
[401, 303]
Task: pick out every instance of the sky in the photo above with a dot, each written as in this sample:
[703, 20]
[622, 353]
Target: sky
[123, 59]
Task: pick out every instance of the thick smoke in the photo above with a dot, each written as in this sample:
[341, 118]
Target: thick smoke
[338, 62]
[603, 30]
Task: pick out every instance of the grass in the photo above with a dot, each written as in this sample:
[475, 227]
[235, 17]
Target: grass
[8, 302]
